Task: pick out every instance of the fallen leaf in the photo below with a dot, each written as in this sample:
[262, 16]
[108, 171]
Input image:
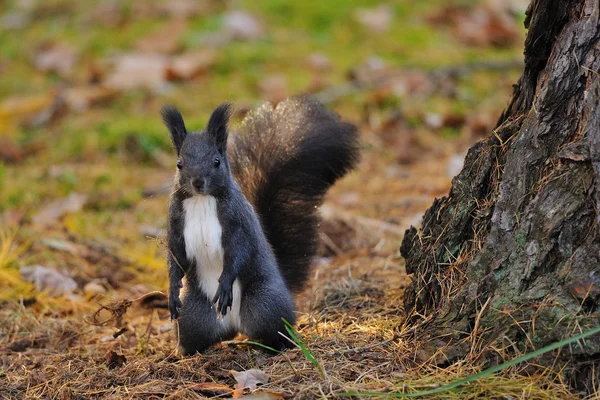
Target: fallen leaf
[83, 97]
[274, 88]
[318, 62]
[185, 8]
[481, 25]
[210, 389]
[241, 25]
[14, 20]
[48, 280]
[62, 245]
[18, 109]
[150, 231]
[11, 217]
[165, 40]
[138, 70]
[55, 210]
[249, 379]
[189, 66]
[115, 360]
[10, 151]
[373, 68]
[377, 19]
[434, 121]
[93, 288]
[109, 14]
[24, 344]
[55, 57]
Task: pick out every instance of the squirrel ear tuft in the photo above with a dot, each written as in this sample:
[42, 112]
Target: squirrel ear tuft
[174, 122]
[217, 125]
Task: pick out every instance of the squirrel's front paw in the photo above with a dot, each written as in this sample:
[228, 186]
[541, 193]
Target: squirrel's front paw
[174, 305]
[223, 298]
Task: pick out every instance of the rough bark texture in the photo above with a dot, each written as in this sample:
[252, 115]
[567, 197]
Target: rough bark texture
[512, 254]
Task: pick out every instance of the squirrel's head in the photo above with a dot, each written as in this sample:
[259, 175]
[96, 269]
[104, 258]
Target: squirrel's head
[202, 165]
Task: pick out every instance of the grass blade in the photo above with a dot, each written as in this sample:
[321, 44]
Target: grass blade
[309, 356]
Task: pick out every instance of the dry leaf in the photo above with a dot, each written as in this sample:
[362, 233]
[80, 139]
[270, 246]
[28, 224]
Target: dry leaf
[83, 97]
[93, 288]
[318, 62]
[114, 360]
[10, 151]
[138, 70]
[210, 389]
[63, 245]
[249, 379]
[189, 66]
[377, 19]
[274, 88]
[55, 210]
[55, 57]
[241, 25]
[48, 280]
[481, 25]
[185, 8]
[19, 109]
[164, 41]
[14, 20]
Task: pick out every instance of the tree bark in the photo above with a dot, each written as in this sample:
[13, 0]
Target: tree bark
[511, 257]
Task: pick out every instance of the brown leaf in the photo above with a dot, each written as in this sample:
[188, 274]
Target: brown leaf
[377, 19]
[138, 70]
[19, 110]
[274, 88]
[189, 66]
[210, 389]
[318, 62]
[164, 41]
[10, 151]
[55, 57]
[48, 280]
[243, 26]
[93, 288]
[249, 379]
[55, 210]
[482, 25]
[15, 20]
[83, 97]
[186, 8]
[114, 360]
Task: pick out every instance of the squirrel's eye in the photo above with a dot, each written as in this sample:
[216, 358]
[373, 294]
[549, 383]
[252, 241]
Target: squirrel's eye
[179, 164]
[217, 162]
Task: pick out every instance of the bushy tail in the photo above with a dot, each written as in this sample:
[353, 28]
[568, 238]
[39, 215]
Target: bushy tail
[285, 158]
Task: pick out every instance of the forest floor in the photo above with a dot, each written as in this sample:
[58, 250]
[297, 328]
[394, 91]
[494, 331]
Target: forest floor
[86, 167]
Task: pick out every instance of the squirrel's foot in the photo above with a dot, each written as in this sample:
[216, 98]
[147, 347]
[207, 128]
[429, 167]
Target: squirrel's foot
[174, 304]
[223, 299]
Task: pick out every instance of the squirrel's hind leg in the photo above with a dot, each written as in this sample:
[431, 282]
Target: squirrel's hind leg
[262, 317]
[198, 326]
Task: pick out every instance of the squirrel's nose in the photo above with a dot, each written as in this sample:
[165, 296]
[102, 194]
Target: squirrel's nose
[198, 184]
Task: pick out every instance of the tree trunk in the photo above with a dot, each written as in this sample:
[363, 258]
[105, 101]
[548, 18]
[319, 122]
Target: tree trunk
[511, 257]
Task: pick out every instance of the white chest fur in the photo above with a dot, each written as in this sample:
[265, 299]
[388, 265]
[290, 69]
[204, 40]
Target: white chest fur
[202, 234]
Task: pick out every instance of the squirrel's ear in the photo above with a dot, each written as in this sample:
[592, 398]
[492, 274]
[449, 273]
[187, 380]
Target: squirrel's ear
[217, 125]
[174, 122]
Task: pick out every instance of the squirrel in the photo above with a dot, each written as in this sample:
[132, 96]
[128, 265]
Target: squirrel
[243, 219]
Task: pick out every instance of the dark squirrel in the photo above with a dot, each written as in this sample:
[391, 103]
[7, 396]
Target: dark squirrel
[243, 219]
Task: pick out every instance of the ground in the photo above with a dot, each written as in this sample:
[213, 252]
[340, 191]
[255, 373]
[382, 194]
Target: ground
[86, 165]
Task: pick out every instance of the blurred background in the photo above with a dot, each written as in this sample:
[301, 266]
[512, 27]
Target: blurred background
[86, 164]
